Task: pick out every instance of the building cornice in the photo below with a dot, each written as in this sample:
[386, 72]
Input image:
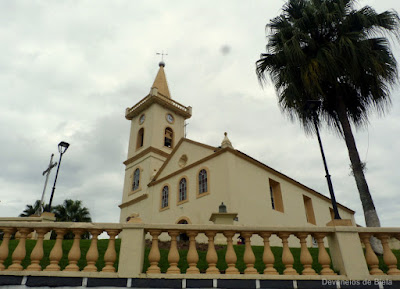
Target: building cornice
[144, 152]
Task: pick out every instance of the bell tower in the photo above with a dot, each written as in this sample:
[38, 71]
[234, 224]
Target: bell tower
[157, 125]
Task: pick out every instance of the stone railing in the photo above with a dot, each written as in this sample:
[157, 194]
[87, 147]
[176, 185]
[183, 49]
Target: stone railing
[23, 229]
[384, 235]
[345, 248]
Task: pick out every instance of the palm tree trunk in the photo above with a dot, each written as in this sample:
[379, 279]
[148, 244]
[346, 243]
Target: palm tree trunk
[370, 214]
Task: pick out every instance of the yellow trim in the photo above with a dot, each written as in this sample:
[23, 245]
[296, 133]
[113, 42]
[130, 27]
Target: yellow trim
[135, 200]
[198, 195]
[175, 150]
[277, 193]
[138, 146]
[187, 191]
[184, 218]
[169, 197]
[173, 137]
[132, 177]
[309, 210]
[141, 154]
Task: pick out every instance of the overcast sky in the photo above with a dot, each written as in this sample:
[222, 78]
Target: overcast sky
[68, 70]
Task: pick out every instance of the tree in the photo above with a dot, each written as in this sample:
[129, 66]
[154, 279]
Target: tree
[328, 51]
[68, 211]
[32, 210]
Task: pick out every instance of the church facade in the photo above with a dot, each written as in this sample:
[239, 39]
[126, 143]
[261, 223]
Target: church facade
[172, 179]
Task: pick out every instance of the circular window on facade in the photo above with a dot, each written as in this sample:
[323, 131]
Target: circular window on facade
[182, 161]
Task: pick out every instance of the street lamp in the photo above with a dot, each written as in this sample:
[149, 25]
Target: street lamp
[62, 148]
[313, 106]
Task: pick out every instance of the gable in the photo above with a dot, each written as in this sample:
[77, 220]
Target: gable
[185, 153]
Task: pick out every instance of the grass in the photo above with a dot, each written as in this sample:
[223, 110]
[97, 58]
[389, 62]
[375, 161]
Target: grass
[202, 264]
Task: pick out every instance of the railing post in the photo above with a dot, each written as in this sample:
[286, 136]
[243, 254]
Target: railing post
[268, 256]
[388, 257]
[305, 256]
[347, 253]
[37, 253]
[287, 257]
[111, 254]
[93, 253]
[370, 256]
[173, 255]
[19, 252]
[56, 253]
[154, 255]
[230, 256]
[211, 257]
[249, 258]
[131, 254]
[4, 246]
[75, 253]
[192, 255]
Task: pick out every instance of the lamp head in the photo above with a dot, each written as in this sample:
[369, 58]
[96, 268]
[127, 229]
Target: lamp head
[62, 147]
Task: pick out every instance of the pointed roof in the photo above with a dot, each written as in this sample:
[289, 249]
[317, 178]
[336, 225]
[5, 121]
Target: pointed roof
[161, 82]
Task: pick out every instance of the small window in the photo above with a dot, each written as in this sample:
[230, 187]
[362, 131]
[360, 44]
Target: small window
[168, 137]
[182, 190]
[164, 197]
[136, 179]
[309, 210]
[140, 138]
[203, 181]
[275, 195]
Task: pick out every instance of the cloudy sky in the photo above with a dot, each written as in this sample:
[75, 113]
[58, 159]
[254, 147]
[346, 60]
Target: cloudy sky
[68, 70]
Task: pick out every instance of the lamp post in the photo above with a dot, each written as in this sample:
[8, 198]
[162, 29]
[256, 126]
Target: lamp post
[62, 148]
[313, 106]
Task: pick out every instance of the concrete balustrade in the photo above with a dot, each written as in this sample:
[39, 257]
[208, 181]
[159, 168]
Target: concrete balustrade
[384, 235]
[350, 251]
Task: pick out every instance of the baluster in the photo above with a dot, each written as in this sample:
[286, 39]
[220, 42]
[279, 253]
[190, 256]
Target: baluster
[287, 257]
[110, 255]
[154, 255]
[192, 256]
[305, 256]
[388, 257]
[173, 255]
[4, 246]
[211, 257]
[370, 257]
[37, 253]
[19, 252]
[92, 254]
[268, 256]
[75, 253]
[230, 256]
[56, 253]
[323, 256]
[248, 257]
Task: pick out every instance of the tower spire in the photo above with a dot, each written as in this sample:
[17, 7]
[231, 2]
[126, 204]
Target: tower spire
[161, 81]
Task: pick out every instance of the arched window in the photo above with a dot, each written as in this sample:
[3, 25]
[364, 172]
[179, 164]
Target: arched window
[203, 188]
[140, 138]
[136, 179]
[168, 137]
[182, 190]
[164, 197]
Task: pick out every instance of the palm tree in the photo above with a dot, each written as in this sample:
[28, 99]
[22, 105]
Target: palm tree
[328, 51]
[32, 210]
[72, 211]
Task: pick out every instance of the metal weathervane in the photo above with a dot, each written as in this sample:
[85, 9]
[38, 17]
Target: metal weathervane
[47, 173]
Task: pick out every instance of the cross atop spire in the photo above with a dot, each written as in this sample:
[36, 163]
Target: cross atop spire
[162, 63]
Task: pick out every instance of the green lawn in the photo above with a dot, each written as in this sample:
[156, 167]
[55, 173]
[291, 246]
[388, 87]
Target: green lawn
[202, 264]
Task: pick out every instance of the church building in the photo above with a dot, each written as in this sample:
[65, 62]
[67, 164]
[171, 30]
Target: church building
[175, 180]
